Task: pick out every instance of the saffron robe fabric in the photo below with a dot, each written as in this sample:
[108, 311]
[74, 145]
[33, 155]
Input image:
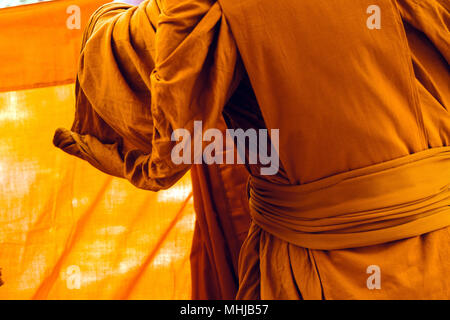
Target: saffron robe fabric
[344, 96]
[220, 201]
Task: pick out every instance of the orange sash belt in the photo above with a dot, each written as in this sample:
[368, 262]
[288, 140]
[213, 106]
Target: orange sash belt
[393, 200]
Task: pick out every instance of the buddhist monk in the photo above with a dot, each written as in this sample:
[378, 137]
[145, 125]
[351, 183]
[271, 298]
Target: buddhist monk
[355, 97]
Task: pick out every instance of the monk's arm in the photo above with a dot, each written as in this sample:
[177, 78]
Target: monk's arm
[144, 72]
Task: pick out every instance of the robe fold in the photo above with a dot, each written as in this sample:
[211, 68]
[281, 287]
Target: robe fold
[362, 111]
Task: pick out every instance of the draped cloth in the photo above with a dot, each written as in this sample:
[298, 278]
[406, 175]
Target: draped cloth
[350, 101]
[116, 126]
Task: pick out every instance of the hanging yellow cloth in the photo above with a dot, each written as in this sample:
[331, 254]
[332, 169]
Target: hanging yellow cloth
[67, 230]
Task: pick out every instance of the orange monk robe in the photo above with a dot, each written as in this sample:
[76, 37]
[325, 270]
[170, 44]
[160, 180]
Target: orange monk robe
[123, 119]
[364, 130]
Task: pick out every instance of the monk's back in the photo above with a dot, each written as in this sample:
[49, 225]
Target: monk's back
[341, 81]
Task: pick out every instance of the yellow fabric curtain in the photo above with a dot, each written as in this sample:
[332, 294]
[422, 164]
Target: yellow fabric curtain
[68, 231]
